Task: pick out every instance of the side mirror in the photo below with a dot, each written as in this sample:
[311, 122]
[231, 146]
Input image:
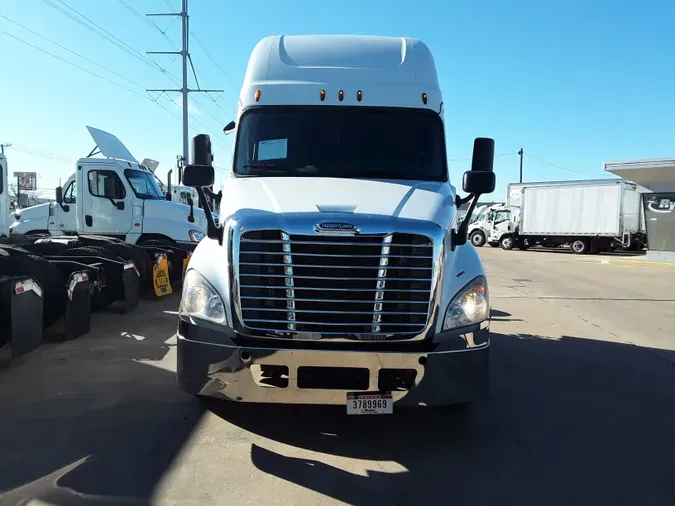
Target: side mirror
[478, 183]
[59, 195]
[481, 179]
[229, 127]
[200, 172]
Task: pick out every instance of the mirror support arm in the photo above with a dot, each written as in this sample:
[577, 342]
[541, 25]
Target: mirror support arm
[212, 230]
[459, 237]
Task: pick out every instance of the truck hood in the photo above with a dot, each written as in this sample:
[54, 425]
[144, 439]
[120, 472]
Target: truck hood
[173, 211]
[428, 201]
[31, 213]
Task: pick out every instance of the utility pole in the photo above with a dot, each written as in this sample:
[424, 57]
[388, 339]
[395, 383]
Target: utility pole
[3, 146]
[185, 90]
[521, 153]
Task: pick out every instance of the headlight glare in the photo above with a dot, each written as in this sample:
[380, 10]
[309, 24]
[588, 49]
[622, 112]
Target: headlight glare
[470, 306]
[196, 235]
[200, 299]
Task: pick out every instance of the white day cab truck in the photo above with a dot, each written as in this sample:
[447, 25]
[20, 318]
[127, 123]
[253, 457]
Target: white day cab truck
[590, 216]
[480, 225]
[335, 276]
[113, 196]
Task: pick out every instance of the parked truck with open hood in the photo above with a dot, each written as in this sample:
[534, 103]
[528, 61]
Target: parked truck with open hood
[114, 196]
[335, 275]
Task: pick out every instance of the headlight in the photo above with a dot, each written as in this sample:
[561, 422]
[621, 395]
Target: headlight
[196, 235]
[200, 299]
[471, 305]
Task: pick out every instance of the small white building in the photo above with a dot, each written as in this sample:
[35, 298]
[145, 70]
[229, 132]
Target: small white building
[656, 182]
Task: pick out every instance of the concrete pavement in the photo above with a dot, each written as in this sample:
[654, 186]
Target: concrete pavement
[581, 411]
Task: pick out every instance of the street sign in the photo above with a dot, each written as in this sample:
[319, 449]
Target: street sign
[27, 180]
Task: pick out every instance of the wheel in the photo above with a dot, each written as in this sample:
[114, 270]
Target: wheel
[580, 246]
[506, 242]
[477, 238]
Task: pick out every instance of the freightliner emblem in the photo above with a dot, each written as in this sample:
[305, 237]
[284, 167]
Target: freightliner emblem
[333, 227]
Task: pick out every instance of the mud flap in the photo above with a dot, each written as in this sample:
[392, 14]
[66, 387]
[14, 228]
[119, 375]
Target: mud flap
[22, 299]
[132, 287]
[77, 318]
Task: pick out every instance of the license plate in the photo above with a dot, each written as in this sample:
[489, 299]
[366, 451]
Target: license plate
[369, 403]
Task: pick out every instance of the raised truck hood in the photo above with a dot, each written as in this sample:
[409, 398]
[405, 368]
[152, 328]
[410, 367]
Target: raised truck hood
[428, 201]
[174, 212]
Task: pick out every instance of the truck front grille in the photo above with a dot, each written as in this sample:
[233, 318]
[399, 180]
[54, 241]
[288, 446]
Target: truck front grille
[354, 286]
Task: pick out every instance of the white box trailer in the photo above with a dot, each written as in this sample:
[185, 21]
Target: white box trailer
[594, 215]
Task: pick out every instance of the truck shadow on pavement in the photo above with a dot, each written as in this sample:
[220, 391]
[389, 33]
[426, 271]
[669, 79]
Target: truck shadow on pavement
[86, 422]
[569, 421]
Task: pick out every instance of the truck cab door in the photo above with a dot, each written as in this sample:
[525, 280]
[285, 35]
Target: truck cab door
[105, 201]
[65, 217]
[501, 224]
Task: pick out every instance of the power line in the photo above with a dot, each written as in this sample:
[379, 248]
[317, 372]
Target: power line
[145, 97]
[76, 65]
[126, 78]
[210, 57]
[193, 118]
[44, 154]
[150, 23]
[173, 45]
[469, 158]
[559, 167]
[101, 32]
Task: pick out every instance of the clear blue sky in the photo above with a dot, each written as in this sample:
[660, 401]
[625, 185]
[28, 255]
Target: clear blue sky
[574, 82]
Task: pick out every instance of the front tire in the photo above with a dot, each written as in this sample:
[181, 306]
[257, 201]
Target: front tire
[506, 242]
[477, 238]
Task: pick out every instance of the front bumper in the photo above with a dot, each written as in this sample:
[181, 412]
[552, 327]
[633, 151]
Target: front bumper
[455, 369]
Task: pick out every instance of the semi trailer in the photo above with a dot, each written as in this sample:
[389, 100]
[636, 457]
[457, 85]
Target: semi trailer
[335, 275]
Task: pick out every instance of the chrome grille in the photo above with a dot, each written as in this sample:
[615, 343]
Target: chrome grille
[353, 286]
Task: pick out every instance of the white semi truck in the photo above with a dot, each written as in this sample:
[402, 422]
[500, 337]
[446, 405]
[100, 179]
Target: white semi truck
[335, 275]
[590, 216]
[113, 196]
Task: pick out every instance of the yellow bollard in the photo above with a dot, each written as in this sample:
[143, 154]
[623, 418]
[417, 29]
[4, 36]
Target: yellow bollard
[186, 261]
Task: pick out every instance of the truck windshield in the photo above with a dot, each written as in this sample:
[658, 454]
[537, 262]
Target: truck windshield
[144, 184]
[344, 142]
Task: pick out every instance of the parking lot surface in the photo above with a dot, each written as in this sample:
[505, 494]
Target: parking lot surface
[581, 412]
